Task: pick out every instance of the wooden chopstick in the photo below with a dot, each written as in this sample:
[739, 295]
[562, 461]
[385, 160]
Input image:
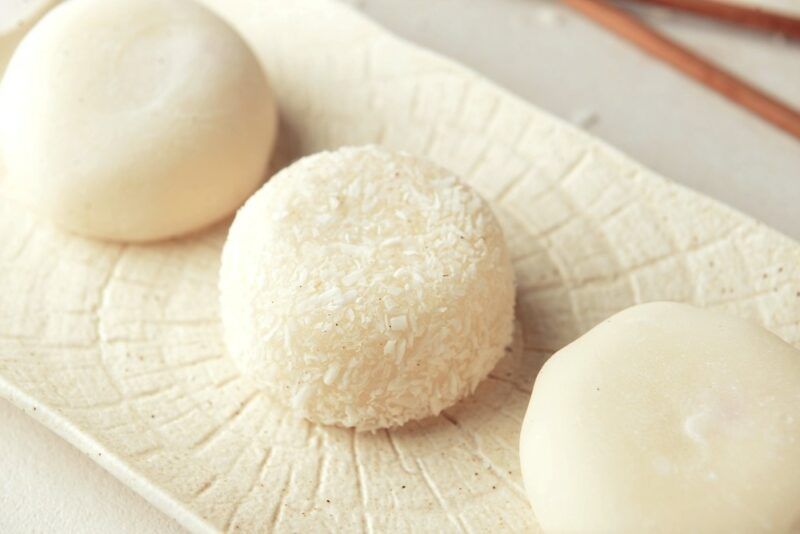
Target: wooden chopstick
[691, 64]
[751, 17]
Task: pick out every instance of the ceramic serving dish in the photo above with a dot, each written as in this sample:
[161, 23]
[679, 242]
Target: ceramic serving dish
[118, 348]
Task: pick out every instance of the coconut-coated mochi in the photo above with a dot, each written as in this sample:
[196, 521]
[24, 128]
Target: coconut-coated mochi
[134, 120]
[666, 418]
[366, 288]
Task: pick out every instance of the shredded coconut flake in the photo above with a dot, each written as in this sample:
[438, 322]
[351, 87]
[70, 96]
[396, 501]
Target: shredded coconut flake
[331, 374]
[398, 323]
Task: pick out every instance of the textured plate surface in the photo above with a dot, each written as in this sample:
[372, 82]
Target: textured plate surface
[118, 348]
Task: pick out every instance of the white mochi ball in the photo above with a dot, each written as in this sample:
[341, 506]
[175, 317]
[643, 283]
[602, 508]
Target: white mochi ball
[135, 120]
[666, 418]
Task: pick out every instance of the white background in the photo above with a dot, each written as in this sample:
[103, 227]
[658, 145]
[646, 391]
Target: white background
[557, 61]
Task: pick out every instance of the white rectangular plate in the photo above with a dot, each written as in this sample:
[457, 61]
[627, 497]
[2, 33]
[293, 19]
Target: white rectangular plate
[118, 348]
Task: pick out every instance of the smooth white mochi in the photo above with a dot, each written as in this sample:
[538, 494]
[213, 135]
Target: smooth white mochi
[136, 120]
[365, 288]
[666, 418]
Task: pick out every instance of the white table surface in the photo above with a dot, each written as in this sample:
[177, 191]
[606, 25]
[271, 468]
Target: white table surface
[560, 62]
